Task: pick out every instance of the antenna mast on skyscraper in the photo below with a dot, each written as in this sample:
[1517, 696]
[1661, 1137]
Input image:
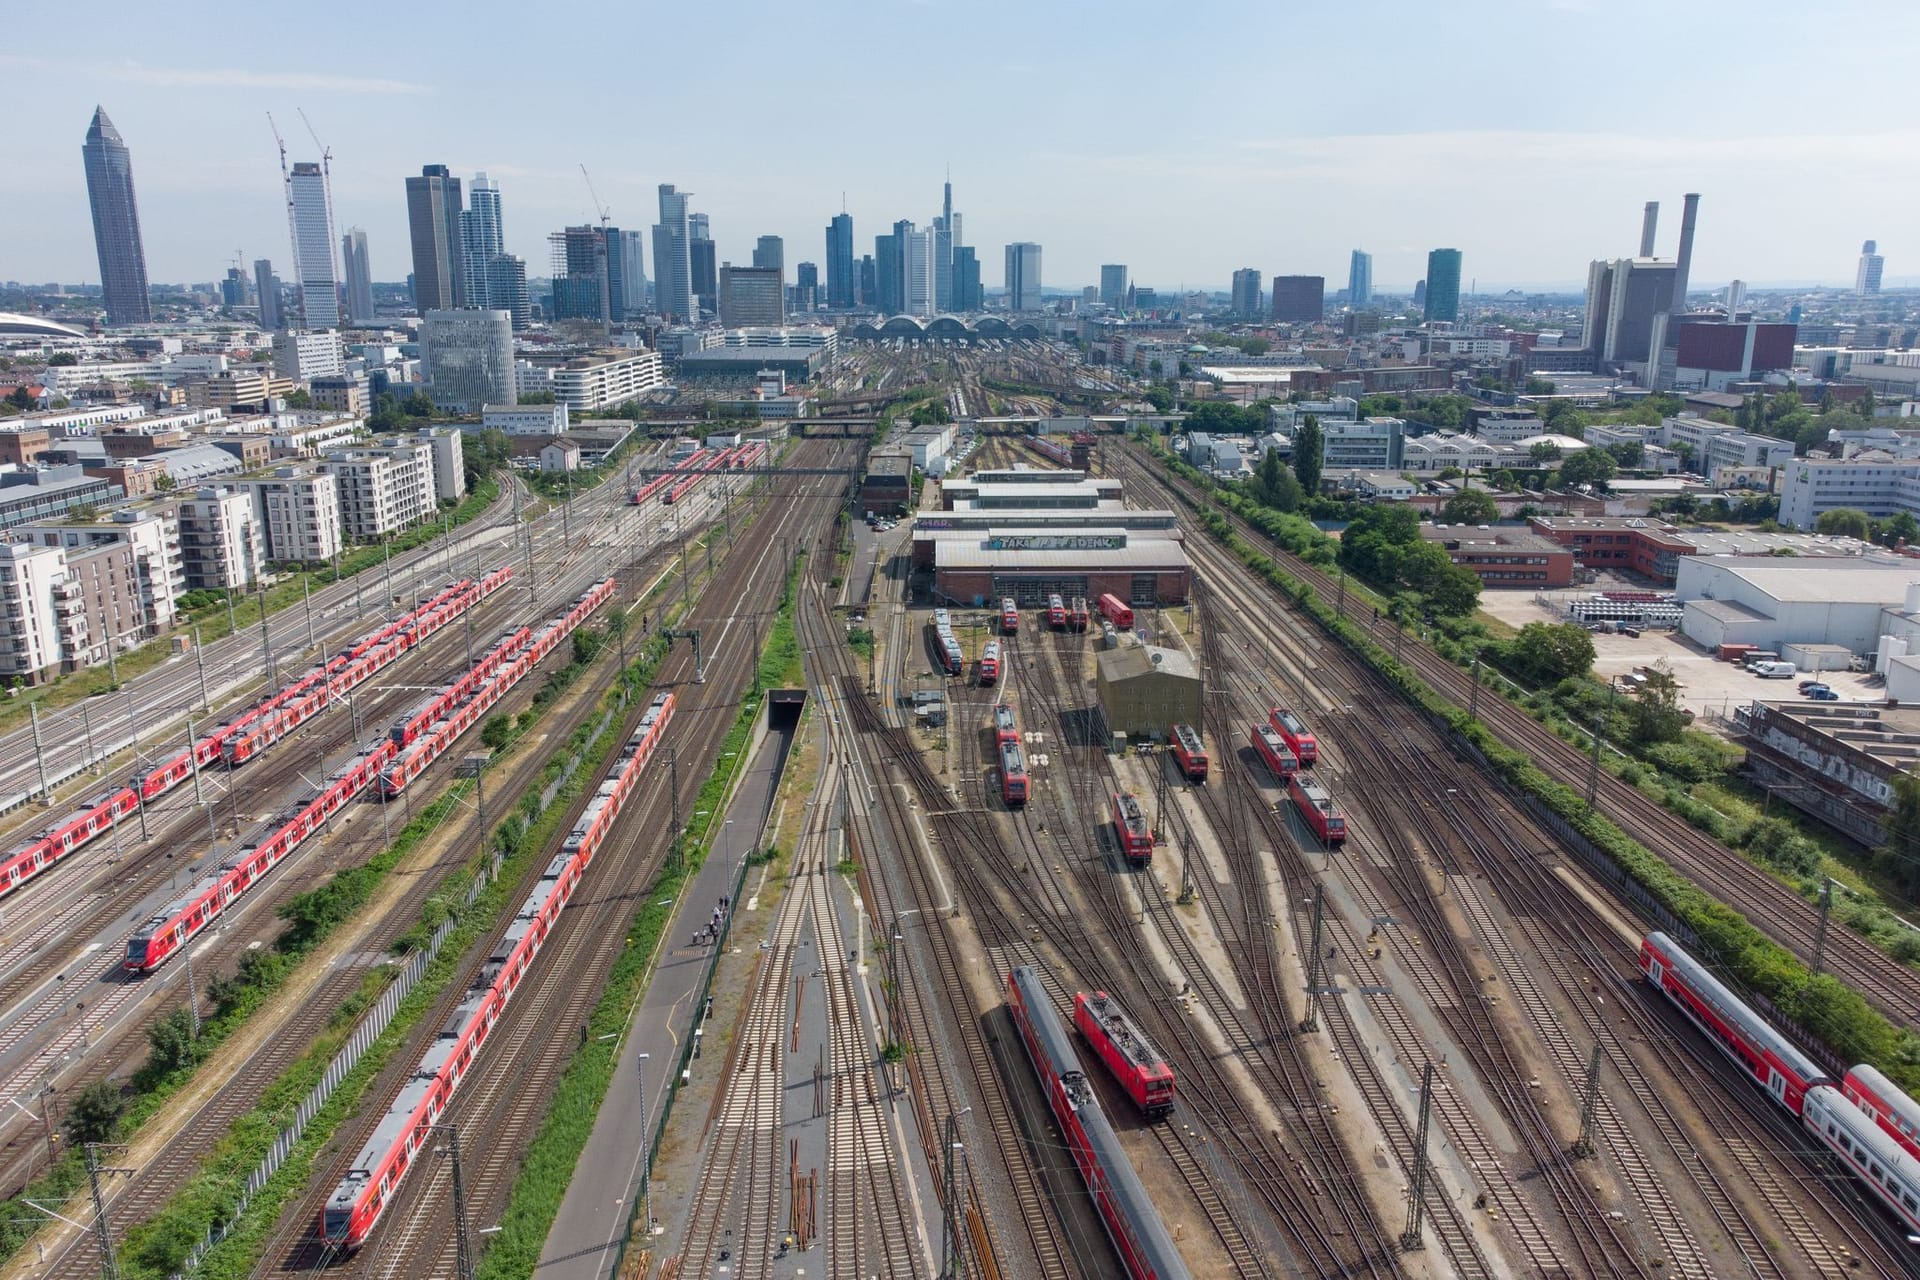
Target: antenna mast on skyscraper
[286, 188]
[326, 182]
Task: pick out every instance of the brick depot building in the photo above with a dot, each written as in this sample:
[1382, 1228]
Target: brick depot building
[1503, 556]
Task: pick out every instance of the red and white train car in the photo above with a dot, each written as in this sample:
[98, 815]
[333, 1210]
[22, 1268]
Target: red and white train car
[1116, 611]
[1299, 738]
[1005, 728]
[1013, 775]
[1118, 1041]
[1189, 752]
[1131, 829]
[1316, 805]
[1009, 616]
[1886, 1103]
[990, 663]
[1077, 619]
[1056, 612]
[1273, 749]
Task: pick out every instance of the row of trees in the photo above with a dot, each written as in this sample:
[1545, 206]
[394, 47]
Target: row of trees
[1384, 546]
[1848, 522]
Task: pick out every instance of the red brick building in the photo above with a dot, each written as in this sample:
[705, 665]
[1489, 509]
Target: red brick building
[1645, 547]
[1504, 557]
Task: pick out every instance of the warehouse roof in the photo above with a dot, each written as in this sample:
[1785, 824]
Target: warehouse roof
[1816, 580]
[1157, 553]
[1130, 662]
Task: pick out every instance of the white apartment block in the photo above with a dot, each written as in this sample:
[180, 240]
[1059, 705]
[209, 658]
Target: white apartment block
[222, 546]
[310, 439]
[32, 642]
[383, 490]
[525, 419]
[1880, 487]
[300, 511]
[152, 537]
[610, 378]
[530, 379]
[302, 356]
[449, 463]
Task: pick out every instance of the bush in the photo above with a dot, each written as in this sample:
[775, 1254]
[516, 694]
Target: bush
[94, 1114]
[1774, 843]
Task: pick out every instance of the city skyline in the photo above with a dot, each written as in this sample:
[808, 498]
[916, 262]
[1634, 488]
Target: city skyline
[1024, 174]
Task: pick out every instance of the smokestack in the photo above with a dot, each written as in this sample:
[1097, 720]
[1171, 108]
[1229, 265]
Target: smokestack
[1646, 228]
[1684, 260]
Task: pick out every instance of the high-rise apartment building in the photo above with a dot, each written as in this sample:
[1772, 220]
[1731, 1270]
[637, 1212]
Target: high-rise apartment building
[1442, 301]
[314, 272]
[353, 251]
[1867, 278]
[507, 290]
[385, 490]
[482, 238]
[842, 283]
[966, 280]
[1113, 286]
[581, 287]
[303, 355]
[770, 252]
[116, 223]
[629, 266]
[468, 357]
[1299, 299]
[1246, 294]
[300, 512]
[222, 546]
[1360, 280]
[1023, 276]
[439, 255]
[267, 285]
[672, 257]
[752, 296]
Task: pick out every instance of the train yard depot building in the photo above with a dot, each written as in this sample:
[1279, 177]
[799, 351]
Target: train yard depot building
[1146, 690]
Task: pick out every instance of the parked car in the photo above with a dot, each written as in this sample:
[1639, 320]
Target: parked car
[1823, 694]
[1774, 670]
[1813, 688]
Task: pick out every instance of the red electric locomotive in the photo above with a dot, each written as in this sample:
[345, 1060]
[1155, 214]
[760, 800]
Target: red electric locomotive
[1004, 728]
[1077, 619]
[1300, 739]
[1117, 1040]
[990, 663]
[1009, 617]
[1013, 774]
[1131, 829]
[1056, 612]
[1189, 752]
[1274, 750]
[1316, 805]
[1116, 611]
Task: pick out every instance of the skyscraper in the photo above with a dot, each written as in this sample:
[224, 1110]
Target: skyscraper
[615, 257]
[1360, 280]
[1246, 294]
[234, 290]
[672, 257]
[507, 286]
[632, 273]
[116, 223]
[1113, 286]
[581, 289]
[469, 358]
[806, 286]
[966, 280]
[752, 296]
[919, 274]
[869, 289]
[771, 251]
[267, 286]
[1443, 285]
[439, 257]
[482, 237]
[841, 281]
[890, 269]
[353, 251]
[313, 247]
[946, 238]
[702, 255]
[1867, 278]
[1299, 299]
[1023, 276]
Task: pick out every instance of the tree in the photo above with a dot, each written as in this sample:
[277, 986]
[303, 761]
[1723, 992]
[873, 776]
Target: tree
[495, 733]
[1539, 387]
[417, 405]
[1900, 855]
[537, 397]
[299, 398]
[1562, 418]
[1588, 467]
[164, 482]
[1159, 397]
[62, 360]
[1504, 480]
[1274, 485]
[1656, 714]
[1543, 452]
[1552, 651]
[1629, 453]
[1846, 522]
[94, 1113]
[1309, 452]
[171, 1042]
[1470, 506]
[1897, 529]
[20, 398]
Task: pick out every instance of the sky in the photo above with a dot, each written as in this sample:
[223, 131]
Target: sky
[1184, 141]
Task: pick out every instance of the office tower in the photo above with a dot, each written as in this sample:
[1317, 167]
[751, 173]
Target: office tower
[703, 255]
[672, 257]
[752, 296]
[842, 281]
[116, 223]
[581, 289]
[966, 280]
[1023, 276]
[1442, 301]
[806, 287]
[1246, 294]
[507, 287]
[1420, 294]
[468, 357]
[771, 251]
[919, 272]
[233, 290]
[614, 255]
[1299, 299]
[1113, 286]
[869, 290]
[482, 238]
[1360, 280]
[353, 251]
[267, 286]
[433, 223]
[312, 214]
[890, 268]
[946, 239]
[1867, 278]
[632, 274]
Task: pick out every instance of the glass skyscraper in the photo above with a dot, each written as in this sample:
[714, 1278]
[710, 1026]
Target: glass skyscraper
[481, 237]
[313, 247]
[116, 223]
[439, 254]
[1360, 280]
[840, 267]
[1443, 285]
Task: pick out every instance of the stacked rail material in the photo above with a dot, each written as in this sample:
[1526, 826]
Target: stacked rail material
[249, 733]
[951, 656]
[403, 1132]
[176, 924]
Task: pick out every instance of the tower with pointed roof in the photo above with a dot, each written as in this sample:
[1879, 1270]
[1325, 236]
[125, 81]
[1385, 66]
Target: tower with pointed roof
[116, 223]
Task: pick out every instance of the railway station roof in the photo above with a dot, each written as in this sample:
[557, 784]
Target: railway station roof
[1141, 556]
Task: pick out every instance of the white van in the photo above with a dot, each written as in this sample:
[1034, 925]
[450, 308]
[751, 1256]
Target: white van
[1775, 670]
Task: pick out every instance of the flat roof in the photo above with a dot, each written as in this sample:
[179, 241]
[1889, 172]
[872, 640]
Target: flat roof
[1497, 537]
[1121, 515]
[1728, 611]
[1855, 580]
[1139, 554]
[1078, 489]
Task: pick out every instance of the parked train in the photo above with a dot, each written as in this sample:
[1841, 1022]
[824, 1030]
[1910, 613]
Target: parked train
[1132, 1223]
[990, 663]
[952, 658]
[339, 674]
[1299, 739]
[689, 476]
[1052, 449]
[1056, 612]
[1005, 727]
[1077, 618]
[1874, 1140]
[1317, 807]
[1131, 829]
[1009, 616]
[1116, 611]
[404, 1132]
[1189, 752]
[1013, 774]
[1118, 1041]
[158, 939]
[1273, 749]
[677, 474]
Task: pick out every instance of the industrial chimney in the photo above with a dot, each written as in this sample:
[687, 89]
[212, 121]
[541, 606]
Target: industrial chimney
[1646, 228]
[1684, 261]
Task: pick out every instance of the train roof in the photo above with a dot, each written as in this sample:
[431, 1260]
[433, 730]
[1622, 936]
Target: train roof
[1046, 1024]
[1733, 1008]
[1125, 1033]
[1866, 1132]
[1127, 805]
[1160, 1258]
[1288, 717]
[1188, 737]
[1011, 758]
[1891, 1095]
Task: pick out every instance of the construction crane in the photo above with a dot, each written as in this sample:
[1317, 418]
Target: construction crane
[286, 188]
[606, 214]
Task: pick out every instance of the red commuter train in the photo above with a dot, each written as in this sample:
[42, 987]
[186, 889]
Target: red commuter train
[1077, 619]
[1273, 749]
[1116, 611]
[1118, 1041]
[1316, 805]
[1131, 829]
[1189, 752]
[1300, 739]
[1127, 1212]
[990, 663]
[1009, 617]
[1056, 612]
[1013, 774]
[1886, 1103]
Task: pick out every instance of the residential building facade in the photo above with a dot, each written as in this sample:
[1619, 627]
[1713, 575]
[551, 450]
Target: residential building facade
[300, 513]
[222, 546]
[382, 491]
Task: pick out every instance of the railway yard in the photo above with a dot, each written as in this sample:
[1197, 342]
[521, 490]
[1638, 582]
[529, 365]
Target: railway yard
[969, 983]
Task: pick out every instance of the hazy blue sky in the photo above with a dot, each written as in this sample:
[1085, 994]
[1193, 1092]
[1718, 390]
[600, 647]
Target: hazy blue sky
[1184, 140]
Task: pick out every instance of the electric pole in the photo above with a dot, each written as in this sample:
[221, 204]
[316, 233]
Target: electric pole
[1410, 1239]
[1312, 1021]
[1589, 1110]
[1820, 934]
